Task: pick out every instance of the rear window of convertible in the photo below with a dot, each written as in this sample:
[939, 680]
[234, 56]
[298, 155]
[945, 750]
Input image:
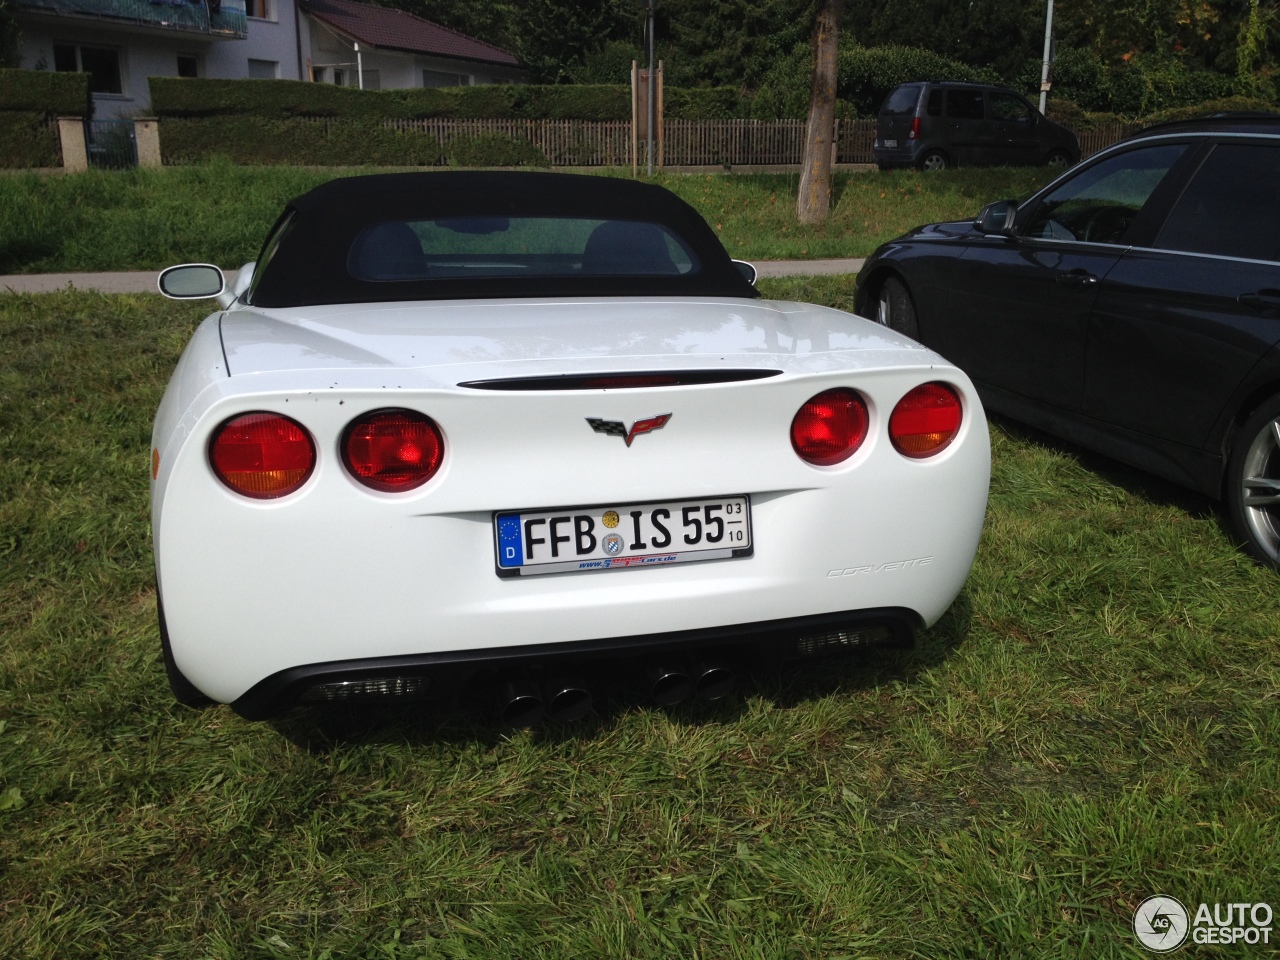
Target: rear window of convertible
[454, 248]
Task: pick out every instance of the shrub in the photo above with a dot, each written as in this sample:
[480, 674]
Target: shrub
[282, 99]
[1210, 107]
[295, 141]
[46, 92]
[28, 140]
[866, 76]
[29, 101]
[494, 150]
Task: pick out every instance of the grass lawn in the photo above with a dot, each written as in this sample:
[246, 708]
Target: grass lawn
[220, 213]
[1096, 720]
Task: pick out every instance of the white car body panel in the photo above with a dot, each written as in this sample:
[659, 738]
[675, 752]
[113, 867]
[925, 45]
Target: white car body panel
[337, 571]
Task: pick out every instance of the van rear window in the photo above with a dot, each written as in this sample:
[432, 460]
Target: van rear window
[902, 101]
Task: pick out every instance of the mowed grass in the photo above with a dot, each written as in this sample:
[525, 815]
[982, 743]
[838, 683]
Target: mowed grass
[220, 213]
[1095, 720]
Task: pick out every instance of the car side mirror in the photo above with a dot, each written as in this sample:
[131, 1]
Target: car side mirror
[997, 218]
[748, 271]
[192, 281]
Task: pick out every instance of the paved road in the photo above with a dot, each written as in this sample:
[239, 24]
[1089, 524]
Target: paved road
[145, 281]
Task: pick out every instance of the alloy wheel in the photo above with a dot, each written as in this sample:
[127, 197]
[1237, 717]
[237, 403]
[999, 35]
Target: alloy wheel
[1260, 489]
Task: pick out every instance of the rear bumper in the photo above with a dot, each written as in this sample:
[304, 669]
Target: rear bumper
[456, 674]
[900, 156]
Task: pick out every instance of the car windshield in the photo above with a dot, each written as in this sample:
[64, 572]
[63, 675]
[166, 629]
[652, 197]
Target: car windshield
[902, 101]
[493, 247]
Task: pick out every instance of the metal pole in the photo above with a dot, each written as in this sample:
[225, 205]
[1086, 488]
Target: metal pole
[1044, 70]
[360, 64]
[653, 103]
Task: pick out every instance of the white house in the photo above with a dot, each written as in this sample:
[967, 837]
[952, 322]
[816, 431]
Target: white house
[120, 43]
[392, 49]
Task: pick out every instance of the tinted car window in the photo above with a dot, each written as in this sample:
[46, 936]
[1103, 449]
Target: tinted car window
[935, 103]
[1101, 203]
[1010, 109]
[964, 104]
[462, 247]
[1232, 207]
[903, 100]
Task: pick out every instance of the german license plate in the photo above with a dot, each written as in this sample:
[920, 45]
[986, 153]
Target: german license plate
[615, 537]
[890, 144]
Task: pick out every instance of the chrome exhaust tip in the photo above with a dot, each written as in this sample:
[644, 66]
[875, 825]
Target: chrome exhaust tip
[669, 684]
[567, 700]
[715, 681]
[522, 704]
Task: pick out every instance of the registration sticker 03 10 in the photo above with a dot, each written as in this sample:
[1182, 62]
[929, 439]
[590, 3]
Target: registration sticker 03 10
[622, 536]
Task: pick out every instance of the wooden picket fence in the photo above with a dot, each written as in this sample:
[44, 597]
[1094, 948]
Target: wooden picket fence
[593, 143]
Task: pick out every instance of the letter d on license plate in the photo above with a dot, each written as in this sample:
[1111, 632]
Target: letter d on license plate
[622, 536]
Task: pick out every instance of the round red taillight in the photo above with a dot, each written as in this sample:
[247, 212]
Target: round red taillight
[262, 455]
[393, 450]
[925, 421]
[829, 427]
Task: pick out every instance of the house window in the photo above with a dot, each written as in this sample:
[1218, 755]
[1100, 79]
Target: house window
[188, 65]
[261, 9]
[339, 77]
[436, 78]
[264, 70]
[102, 64]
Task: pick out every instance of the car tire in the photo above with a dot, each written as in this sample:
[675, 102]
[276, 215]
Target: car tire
[1253, 484]
[184, 691]
[895, 309]
[934, 160]
[1058, 160]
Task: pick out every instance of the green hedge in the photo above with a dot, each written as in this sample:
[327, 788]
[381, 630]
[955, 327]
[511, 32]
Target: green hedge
[43, 91]
[1139, 87]
[282, 99]
[29, 101]
[297, 141]
[28, 140]
[866, 75]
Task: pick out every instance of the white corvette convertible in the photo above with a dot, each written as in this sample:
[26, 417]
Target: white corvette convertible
[455, 431]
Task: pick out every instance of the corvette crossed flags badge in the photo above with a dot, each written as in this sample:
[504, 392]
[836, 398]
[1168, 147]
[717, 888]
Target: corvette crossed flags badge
[616, 428]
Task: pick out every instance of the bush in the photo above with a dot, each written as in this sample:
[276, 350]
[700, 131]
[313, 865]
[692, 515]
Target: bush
[294, 142]
[28, 140]
[494, 150]
[46, 92]
[1210, 107]
[866, 76]
[1135, 88]
[29, 102]
[282, 99]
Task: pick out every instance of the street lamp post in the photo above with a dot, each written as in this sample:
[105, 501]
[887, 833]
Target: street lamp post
[1048, 47]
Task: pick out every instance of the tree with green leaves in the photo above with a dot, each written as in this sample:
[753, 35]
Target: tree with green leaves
[10, 36]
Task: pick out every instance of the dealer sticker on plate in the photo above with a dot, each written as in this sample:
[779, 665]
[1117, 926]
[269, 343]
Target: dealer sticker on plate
[621, 536]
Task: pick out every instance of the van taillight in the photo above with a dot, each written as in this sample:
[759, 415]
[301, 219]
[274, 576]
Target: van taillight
[915, 129]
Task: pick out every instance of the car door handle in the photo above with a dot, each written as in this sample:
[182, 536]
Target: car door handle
[1077, 278]
[1264, 301]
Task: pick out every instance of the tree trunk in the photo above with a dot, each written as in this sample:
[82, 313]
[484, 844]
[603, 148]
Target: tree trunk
[815, 169]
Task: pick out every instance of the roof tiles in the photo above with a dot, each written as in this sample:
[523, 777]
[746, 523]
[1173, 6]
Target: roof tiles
[398, 30]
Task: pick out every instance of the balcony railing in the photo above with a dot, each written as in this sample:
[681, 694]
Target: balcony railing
[220, 19]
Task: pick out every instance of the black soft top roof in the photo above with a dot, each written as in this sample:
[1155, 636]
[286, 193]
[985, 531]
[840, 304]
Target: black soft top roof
[310, 266]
